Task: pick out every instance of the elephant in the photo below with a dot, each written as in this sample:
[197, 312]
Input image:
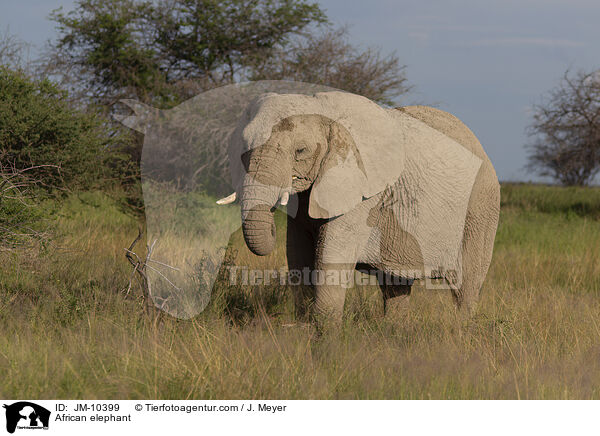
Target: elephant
[406, 194]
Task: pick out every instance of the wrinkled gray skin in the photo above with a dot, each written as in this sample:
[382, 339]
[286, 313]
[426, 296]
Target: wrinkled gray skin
[297, 147]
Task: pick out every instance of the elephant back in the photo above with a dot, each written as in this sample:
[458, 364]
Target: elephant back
[449, 125]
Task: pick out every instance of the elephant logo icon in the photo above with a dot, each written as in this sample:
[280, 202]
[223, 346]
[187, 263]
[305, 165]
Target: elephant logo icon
[26, 415]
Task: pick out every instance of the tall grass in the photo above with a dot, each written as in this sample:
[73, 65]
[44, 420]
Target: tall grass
[67, 330]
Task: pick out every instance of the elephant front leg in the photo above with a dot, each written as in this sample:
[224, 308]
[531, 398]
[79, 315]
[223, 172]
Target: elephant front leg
[331, 281]
[338, 246]
[301, 259]
[335, 262]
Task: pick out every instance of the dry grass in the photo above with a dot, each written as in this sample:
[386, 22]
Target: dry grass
[67, 331]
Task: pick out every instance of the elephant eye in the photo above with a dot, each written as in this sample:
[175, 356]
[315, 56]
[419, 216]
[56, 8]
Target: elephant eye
[300, 151]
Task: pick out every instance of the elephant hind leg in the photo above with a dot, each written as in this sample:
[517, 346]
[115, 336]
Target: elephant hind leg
[476, 259]
[395, 296]
[466, 296]
[478, 240]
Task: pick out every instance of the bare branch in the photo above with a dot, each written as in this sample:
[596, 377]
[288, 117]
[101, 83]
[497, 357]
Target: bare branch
[139, 267]
[329, 59]
[13, 51]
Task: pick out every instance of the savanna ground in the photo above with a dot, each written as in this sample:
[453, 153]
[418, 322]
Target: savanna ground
[67, 329]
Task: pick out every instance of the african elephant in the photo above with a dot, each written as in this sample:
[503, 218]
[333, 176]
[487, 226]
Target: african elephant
[407, 194]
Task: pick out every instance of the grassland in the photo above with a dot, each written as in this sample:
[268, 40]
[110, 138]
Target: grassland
[68, 330]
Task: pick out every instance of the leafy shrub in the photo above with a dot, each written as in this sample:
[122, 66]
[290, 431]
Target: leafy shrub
[39, 125]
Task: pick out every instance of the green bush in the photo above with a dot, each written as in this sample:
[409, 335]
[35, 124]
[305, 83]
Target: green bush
[40, 125]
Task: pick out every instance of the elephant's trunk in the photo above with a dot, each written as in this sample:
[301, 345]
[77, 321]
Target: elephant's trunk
[258, 204]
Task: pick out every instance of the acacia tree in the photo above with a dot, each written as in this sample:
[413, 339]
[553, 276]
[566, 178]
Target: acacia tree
[565, 131]
[151, 51]
[165, 52]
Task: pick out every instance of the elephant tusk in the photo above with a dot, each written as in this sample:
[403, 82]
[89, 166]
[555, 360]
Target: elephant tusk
[285, 198]
[227, 200]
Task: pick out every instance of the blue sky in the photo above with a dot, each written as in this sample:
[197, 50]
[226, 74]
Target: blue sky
[486, 62]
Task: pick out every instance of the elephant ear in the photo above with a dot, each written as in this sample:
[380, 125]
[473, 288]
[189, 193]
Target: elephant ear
[342, 178]
[363, 159]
